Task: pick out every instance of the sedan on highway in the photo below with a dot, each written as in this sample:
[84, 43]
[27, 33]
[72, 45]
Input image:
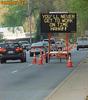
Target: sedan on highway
[60, 44]
[38, 46]
[82, 42]
[11, 51]
[25, 44]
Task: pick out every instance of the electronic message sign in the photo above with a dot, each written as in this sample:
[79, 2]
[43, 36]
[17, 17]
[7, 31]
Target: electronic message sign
[58, 22]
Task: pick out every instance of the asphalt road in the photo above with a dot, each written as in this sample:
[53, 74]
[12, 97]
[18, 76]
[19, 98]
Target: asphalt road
[24, 81]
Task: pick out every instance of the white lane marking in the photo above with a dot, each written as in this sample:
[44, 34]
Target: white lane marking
[15, 71]
[30, 64]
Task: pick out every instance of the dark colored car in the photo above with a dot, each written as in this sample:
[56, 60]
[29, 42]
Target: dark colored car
[11, 51]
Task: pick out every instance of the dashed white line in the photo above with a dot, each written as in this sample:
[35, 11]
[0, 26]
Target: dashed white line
[30, 64]
[15, 71]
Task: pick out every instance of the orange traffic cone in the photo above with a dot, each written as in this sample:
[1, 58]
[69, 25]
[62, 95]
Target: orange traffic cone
[40, 61]
[34, 61]
[44, 56]
[69, 62]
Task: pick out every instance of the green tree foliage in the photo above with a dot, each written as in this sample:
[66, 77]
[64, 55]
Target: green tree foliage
[43, 7]
[81, 8]
[18, 13]
[1, 36]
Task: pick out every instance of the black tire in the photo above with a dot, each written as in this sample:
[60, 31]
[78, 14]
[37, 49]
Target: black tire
[27, 49]
[3, 61]
[23, 60]
[77, 48]
[31, 54]
[61, 48]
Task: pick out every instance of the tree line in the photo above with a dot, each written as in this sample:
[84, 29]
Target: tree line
[20, 15]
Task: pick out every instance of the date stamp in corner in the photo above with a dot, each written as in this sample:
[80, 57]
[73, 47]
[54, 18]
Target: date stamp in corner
[16, 2]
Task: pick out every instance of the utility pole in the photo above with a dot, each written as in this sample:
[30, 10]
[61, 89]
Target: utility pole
[29, 19]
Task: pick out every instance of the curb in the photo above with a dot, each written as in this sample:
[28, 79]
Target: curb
[62, 83]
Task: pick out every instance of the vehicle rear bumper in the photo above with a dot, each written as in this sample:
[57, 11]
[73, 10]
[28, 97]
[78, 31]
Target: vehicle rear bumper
[12, 57]
[82, 46]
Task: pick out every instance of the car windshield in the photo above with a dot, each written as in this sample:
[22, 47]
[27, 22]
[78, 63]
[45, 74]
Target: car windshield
[2, 45]
[11, 45]
[83, 39]
[37, 44]
[24, 42]
[51, 41]
[40, 44]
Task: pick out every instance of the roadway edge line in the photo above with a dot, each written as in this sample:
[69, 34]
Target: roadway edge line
[63, 82]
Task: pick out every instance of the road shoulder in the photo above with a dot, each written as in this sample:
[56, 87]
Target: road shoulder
[74, 87]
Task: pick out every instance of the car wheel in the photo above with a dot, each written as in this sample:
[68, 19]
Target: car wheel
[27, 49]
[23, 59]
[31, 54]
[77, 48]
[61, 48]
[3, 61]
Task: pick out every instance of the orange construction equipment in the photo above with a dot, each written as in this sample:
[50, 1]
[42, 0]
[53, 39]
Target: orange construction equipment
[34, 61]
[40, 61]
[69, 62]
[44, 56]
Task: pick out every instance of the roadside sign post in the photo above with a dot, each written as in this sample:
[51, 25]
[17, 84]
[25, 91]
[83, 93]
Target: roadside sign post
[58, 22]
[67, 42]
[49, 37]
[74, 39]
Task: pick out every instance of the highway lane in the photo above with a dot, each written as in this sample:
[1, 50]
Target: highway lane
[24, 81]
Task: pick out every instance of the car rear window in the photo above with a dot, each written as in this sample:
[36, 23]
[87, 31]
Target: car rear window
[37, 44]
[51, 41]
[83, 39]
[2, 45]
[12, 45]
[24, 42]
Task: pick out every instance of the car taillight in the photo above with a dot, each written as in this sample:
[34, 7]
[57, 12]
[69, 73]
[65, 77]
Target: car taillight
[19, 49]
[2, 50]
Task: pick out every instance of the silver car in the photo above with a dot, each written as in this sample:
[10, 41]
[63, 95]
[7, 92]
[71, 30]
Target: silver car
[82, 42]
[25, 44]
[37, 47]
